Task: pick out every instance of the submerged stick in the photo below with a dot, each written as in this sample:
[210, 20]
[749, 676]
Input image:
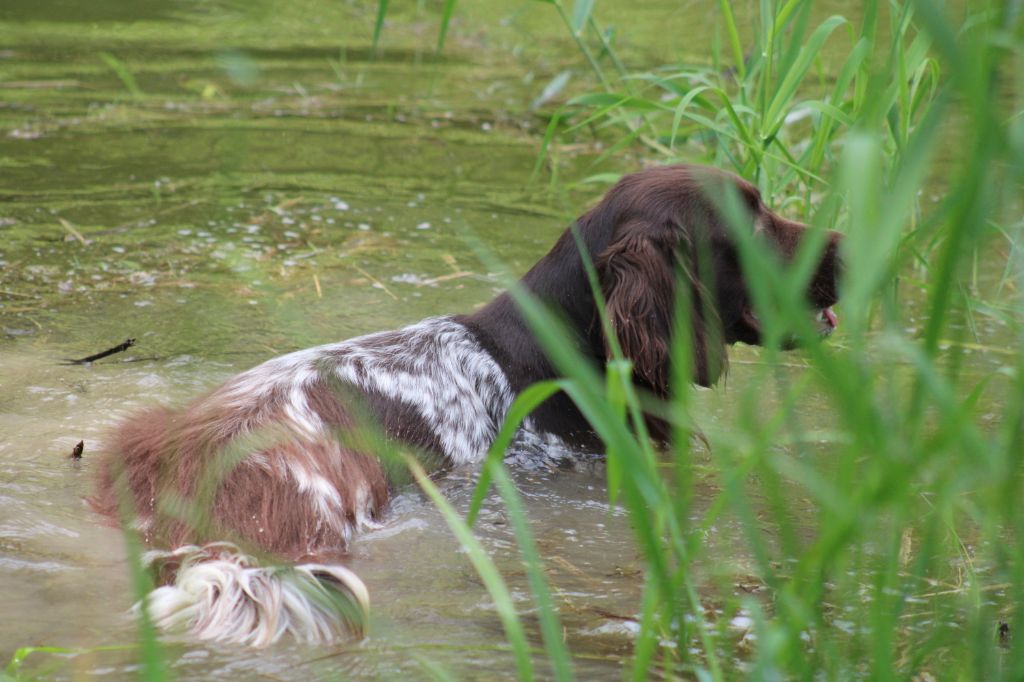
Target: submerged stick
[73, 231]
[376, 281]
[119, 348]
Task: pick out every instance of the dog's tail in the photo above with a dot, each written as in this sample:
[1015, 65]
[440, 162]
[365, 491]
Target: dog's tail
[216, 592]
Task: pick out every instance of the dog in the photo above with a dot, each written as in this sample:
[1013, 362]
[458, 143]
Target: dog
[265, 455]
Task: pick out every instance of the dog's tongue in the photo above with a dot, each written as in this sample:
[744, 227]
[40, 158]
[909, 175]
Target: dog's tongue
[830, 317]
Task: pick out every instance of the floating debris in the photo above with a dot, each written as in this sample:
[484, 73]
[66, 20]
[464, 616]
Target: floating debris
[119, 348]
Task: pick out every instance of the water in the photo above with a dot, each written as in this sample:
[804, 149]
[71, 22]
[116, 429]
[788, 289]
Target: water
[272, 186]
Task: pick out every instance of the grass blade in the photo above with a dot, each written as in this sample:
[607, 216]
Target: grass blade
[550, 626]
[378, 25]
[446, 17]
[485, 568]
[118, 67]
[581, 10]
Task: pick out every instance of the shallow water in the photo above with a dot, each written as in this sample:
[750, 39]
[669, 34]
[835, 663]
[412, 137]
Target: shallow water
[271, 187]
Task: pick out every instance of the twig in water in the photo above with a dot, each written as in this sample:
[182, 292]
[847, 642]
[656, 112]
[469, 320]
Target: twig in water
[443, 278]
[376, 281]
[119, 348]
[76, 452]
[73, 231]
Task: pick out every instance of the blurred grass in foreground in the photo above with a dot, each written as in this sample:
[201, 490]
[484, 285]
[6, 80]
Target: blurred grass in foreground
[908, 562]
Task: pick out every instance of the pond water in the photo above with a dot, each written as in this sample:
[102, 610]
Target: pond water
[273, 185]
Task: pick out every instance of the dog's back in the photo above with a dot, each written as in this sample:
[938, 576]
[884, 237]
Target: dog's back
[271, 462]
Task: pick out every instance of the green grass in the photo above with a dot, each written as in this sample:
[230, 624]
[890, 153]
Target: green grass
[126, 76]
[901, 557]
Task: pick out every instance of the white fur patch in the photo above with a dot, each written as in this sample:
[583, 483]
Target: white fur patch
[435, 366]
[533, 449]
[221, 594]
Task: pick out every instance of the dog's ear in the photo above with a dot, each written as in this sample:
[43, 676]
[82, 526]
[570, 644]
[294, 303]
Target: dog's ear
[638, 276]
[637, 281]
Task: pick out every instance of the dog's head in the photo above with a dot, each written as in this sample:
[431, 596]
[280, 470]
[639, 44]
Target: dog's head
[669, 226]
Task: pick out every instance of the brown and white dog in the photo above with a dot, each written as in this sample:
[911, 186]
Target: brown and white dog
[265, 458]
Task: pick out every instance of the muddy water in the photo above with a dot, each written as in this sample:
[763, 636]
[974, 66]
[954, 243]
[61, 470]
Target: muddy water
[253, 183]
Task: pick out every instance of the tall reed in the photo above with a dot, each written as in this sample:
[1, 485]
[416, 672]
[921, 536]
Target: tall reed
[886, 546]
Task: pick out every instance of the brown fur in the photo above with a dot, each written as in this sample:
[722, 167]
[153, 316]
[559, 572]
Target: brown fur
[657, 237]
[179, 465]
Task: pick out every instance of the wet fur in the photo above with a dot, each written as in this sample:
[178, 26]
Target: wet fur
[262, 452]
